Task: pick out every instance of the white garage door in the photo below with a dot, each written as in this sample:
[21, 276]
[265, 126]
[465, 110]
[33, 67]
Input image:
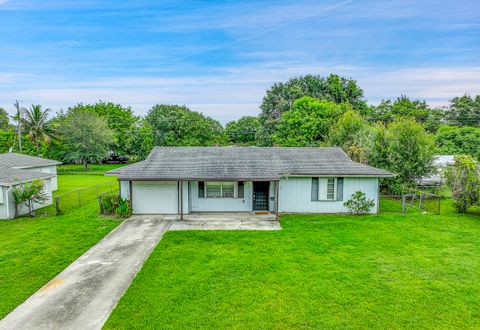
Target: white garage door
[155, 197]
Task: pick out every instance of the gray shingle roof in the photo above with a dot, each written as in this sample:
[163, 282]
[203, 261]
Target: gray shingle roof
[25, 161]
[243, 163]
[11, 176]
[15, 168]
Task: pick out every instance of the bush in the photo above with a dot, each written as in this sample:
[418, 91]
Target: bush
[113, 204]
[463, 179]
[29, 194]
[359, 203]
[123, 209]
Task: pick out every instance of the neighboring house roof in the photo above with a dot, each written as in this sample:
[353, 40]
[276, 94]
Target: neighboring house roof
[440, 162]
[443, 160]
[244, 163]
[25, 161]
[16, 168]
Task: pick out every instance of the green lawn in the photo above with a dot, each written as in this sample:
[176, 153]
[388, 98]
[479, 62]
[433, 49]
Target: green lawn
[381, 271]
[71, 182]
[34, 250]
[93, 169]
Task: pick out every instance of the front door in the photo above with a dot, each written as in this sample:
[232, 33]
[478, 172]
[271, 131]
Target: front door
[260, 195]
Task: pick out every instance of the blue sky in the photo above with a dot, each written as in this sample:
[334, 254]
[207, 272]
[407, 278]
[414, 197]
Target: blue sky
[219, 57]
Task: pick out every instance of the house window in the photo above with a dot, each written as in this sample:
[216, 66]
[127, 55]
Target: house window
[201, 189]
[327, 189]
[331, 189]
[216, 189]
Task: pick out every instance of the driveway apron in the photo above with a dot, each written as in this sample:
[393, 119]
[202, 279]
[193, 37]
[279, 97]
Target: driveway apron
[85, 293]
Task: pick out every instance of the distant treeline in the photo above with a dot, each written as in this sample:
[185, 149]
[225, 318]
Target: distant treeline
[399, 135]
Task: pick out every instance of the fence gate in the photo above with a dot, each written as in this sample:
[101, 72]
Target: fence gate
[421, 203]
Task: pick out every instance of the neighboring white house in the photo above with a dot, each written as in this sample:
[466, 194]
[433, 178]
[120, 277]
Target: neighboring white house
[440, 163]
[181, 180]
[16, 169]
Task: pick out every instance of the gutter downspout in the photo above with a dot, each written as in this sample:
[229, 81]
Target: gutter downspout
[8, 202]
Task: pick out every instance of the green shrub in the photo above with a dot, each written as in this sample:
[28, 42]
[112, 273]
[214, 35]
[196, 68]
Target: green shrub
[123, 209]
[113, 204]
[359, 203]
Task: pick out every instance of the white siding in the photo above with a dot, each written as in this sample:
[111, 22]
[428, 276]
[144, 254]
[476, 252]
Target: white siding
[295, 195]
[3, 201]
[221, 204]
[125, 189]
[48, 169]
[24, 209]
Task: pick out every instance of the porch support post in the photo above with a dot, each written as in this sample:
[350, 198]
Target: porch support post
[181, 198]
[277, 197]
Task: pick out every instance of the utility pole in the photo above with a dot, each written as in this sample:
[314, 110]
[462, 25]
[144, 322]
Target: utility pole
[19, 126]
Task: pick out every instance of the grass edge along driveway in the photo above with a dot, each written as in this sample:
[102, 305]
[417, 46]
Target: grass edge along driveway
[378, 271]
[35, 250]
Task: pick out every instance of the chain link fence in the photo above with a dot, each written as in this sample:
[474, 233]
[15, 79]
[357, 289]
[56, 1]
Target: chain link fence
[71, 200]
[418, 203]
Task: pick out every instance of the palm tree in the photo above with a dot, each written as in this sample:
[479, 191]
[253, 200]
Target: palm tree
[37, 125]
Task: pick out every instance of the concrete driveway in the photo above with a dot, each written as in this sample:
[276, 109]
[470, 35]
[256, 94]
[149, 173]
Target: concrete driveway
[85, 293]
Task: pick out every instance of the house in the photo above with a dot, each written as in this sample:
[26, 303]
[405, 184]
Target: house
[16, 169]
[440, 163]
[181, 180]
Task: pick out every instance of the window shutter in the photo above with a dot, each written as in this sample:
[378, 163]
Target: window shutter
[201, 189]
[241, 189]
[339, 189]
[314, 189]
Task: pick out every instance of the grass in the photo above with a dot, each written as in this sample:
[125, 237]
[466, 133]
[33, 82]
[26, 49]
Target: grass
[34, 250]
[93, 169]
[71, 182]
[72, 178]
[377, 271]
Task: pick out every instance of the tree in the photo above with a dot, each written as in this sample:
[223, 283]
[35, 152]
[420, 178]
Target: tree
[120, 120]
[36, 124]
[141, 140]
[458, 140]
[281, 97]
[29, 194]
[404, 148]
[463, 179]
[4, 120]
[86, 136]
[243, 131]
[387, 111]
[464, 111]
[308, 123]
[351, 133]
[175, 125]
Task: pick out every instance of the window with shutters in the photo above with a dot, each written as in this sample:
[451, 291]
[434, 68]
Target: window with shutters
[326, 189]
[217, 189]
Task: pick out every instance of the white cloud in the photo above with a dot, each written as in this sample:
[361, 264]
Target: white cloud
[234, 92]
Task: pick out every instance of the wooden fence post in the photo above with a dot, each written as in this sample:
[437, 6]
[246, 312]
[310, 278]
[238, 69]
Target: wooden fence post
[57, 202]
[79, 201]
[404, 201]
[420, 205]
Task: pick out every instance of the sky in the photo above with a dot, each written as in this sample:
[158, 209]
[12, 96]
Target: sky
[219, 57]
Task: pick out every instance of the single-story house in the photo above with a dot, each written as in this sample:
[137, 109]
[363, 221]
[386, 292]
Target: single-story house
[181, 180]
[16, 169]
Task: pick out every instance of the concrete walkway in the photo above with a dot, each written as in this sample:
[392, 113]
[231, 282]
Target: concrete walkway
[85, 293]
[226, 225]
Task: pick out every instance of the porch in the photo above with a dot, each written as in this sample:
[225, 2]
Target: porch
[217, 221]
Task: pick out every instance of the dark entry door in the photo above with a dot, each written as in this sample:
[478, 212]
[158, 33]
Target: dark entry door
[260, 196]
